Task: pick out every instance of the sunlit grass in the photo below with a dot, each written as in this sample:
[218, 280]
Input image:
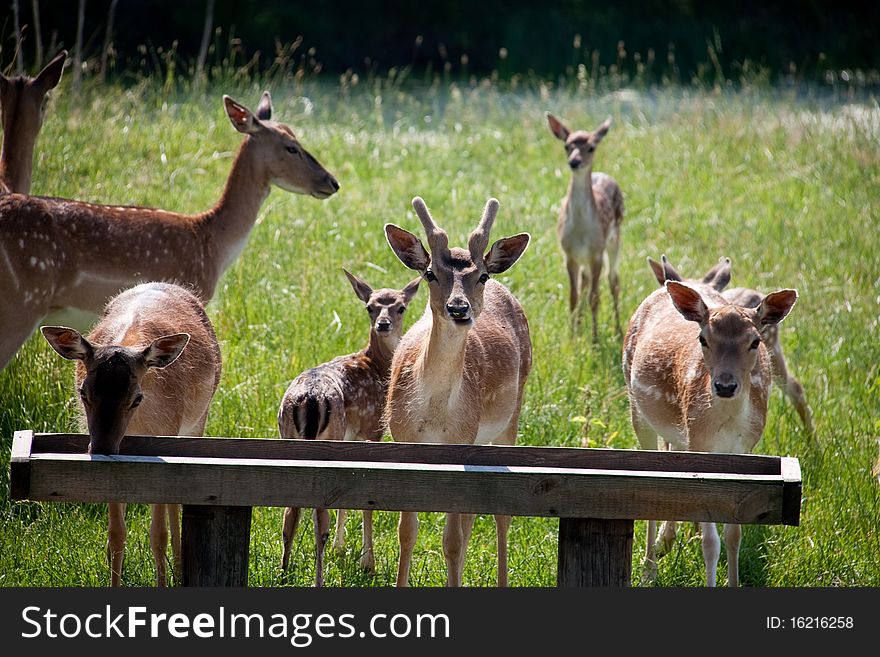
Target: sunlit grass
[787, 191]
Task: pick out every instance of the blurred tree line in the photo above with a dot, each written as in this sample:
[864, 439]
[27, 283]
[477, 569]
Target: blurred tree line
[671, 38]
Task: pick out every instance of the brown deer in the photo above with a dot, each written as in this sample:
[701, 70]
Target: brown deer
[149, 367]
[589, 221]
[57, 254]
[23, 104]
[718, 277]
[458, 374]
[698, 375]
[344, 400]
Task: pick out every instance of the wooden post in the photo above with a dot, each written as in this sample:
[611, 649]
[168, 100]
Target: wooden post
[216, 541]
[594, 552]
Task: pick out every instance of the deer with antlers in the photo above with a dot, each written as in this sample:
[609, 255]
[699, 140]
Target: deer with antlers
[589, 221]
[23, 104]
[698, 375]
[149, 367]
[57, 254]
[344, 399]
[718, 277]
[458, 374]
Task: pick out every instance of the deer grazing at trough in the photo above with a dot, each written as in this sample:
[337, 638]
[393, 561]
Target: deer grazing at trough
[589, 221]
[344, 399]
[698, 375]
[718, 277]
[458, 374]
[23, 105]
[57, 254]
[149, 367]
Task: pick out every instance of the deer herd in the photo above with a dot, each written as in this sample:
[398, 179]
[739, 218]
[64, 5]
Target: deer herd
[698, 362]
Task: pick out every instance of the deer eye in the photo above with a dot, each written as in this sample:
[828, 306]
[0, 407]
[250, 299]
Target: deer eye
[755, 343]
[703, 341]
[401, 310]
[484, 277]
[137, 400]
[429, 276]
[293, 150]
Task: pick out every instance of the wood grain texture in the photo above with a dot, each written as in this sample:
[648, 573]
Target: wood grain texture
[594, 552]
[215, 544]
[20, 465]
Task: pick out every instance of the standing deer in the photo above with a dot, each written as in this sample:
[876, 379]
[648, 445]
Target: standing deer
[23, 103]
[698, 375]
[149, 367]
[58, 254]
[589, 221]
[344, 400]
[458, 374]
[718, 277]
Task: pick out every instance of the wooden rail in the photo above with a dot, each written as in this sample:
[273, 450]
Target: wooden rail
[596, 493]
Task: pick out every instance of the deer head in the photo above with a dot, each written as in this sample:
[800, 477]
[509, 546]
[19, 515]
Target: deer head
[580, 145]
[385, 307]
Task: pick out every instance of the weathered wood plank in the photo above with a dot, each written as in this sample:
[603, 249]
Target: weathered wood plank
[791, 493]
[594, 552]
[526, 491]
[20, 465]
[560, 457]
[215, 543]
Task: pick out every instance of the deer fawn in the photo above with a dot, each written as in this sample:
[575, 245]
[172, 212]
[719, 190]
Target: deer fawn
[57, 254]
[698, 374]
[344, 400]
[149, 367]
[589, 221]
[458, 374]
[23, 103]
[718, 277]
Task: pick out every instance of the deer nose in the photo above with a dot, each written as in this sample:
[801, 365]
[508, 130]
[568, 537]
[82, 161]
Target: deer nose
[383, 325]
[458, 309]
[725, 385]
[331, 181]
[575, 162]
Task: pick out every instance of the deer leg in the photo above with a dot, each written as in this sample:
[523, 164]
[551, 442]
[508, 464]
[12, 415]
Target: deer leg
[322, 534]
[339, 541]
[790, 385]
[453, 549]
[613, 250]
[595, 273]
[159, 541]
[407, 533]
[368, 560]
[502, 525]
[647, 440]
[291, 520]
[574, 278]
[15, 329]
[732, 539]
[176, 552]
[116, 541]
[711, 550]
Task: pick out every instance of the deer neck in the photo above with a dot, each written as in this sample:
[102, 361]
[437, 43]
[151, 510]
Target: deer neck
[16, 163]
[442, 360]
[380, 353]
[228, 224]
[581, 204]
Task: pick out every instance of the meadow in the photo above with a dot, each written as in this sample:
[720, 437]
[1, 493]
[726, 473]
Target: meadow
[786, 187]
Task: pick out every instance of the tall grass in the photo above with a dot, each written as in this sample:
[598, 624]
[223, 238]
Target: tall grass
[786, 188]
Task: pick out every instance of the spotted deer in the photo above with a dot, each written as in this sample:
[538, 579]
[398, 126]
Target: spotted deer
[718, 277]
[344, 399]
[589, 221]
[58, 254]
[698, 375]
[458, 374]
[149, 367]
[23, 103]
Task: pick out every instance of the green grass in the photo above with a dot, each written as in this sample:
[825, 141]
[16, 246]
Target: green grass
[788, 191]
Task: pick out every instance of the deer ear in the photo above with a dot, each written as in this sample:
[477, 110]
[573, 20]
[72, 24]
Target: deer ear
[410, 290]
[68, 342]
[505, 252]
[688, 302]
[50, 76]
[719, 276]
[242, 118]
[775, 307]
[557, 127]
[657, 270]
[165, 350]
[602, 130]
[407, 247]
[360, 287]
[264, 109]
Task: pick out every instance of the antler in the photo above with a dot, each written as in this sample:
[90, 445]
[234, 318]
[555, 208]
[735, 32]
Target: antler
[478, 240]
[438, 240]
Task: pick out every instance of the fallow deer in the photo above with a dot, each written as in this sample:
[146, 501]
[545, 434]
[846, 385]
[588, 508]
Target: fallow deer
[589, 221]
[458, 374]
[698, 375]
[344, 399]
[149, 367]
[57, 254]
[718, 277]
[23, 104]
